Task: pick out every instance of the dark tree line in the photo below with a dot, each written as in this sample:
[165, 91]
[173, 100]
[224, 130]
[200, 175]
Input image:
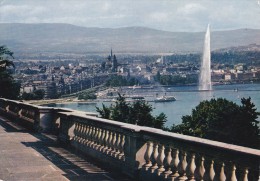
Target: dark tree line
[10, 89]
[35, 95]
[175, 79]
[138, 112]
[246, 57]
[118, 80]
[215, 119]
[223, 120]
[228, 57]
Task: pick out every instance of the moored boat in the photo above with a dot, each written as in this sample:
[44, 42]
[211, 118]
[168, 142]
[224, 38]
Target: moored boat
[165, 99]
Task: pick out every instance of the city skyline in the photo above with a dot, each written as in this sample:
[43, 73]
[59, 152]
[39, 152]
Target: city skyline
[186, 15]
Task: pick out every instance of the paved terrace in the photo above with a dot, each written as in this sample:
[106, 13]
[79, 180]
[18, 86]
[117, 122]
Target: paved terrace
[26, 155]
[142, 153]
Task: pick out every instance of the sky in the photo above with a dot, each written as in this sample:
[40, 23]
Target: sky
[168, 15]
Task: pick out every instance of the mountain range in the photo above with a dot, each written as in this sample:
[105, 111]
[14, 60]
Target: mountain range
[66, 38]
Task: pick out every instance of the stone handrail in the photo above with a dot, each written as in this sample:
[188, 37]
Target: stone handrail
[143, 153]
[40, 118]
[153, 154]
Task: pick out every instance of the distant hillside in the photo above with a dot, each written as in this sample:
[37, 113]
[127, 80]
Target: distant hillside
[34, 38]
[247, 48]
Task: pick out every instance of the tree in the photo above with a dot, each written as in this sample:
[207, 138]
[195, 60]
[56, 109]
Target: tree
[9, 88]
[35, 95]
[118, 80]
[139, 112]
[223, 120]
[87, 96]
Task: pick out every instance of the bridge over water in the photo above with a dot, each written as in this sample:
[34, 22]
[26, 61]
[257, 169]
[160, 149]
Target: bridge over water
[42, 143]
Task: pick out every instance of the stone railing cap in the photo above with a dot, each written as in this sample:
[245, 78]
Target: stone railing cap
[202, 141]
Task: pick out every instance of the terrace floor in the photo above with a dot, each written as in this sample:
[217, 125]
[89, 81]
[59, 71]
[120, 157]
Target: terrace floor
[26, 155]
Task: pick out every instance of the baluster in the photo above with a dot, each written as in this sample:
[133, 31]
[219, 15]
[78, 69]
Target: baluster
[211, 171]
[95, 145]
[75, 138]
[233, 174]
[20, 112]
[83, 135]
[112, 144]
[90, 135]
[222, 176]
[93, 136]
[117, 145]
[109, 143]
[105, 141]
[168, 162]
[192, 167]
[155, 155]
[86, 135]
[160, 160]
[201, 169]
[122, 143]
[183, 166]
[98, 138]
[75, 132]
[101, 139]
[80, 132]
[147, 155]
[175, 172]
[245, 178]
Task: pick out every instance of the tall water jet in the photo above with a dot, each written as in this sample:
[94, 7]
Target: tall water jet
[205, 74]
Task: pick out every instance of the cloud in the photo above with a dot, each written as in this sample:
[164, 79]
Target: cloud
[190, 9]
[184, 15]
[159, 16]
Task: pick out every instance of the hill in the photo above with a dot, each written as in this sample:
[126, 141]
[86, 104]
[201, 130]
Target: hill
[66, 38]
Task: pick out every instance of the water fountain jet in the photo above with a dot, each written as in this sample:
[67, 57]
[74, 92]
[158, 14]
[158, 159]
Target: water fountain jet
[205, 73]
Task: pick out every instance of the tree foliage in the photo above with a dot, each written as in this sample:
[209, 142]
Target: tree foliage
[223, 120]
[118, 80]
[139, 112]
[9, 87]
[35, 95]
[87, 96]
[175, 79]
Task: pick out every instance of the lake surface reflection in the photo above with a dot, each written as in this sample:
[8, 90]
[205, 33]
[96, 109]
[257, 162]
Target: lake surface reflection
[187, 98]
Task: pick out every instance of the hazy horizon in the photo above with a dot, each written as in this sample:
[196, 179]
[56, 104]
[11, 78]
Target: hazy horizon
[137, 27]
[166, 15]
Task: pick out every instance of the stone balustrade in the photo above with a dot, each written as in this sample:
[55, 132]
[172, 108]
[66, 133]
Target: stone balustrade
[40, 118]
[143, 153]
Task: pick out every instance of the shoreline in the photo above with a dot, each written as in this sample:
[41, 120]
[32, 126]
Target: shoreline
[73, 100]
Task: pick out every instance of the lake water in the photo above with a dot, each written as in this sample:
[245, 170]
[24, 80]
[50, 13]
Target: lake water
[187, 98]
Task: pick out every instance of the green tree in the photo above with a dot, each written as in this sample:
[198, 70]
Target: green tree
[118, 80]
[39, 94]
[105, 112]
[158, 76]
[35, 95]
[87, 96]
[223, 120]
[139, 112]
[9, 87]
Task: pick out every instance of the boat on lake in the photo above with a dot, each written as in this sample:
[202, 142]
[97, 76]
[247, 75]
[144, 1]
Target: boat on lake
[165, 99]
